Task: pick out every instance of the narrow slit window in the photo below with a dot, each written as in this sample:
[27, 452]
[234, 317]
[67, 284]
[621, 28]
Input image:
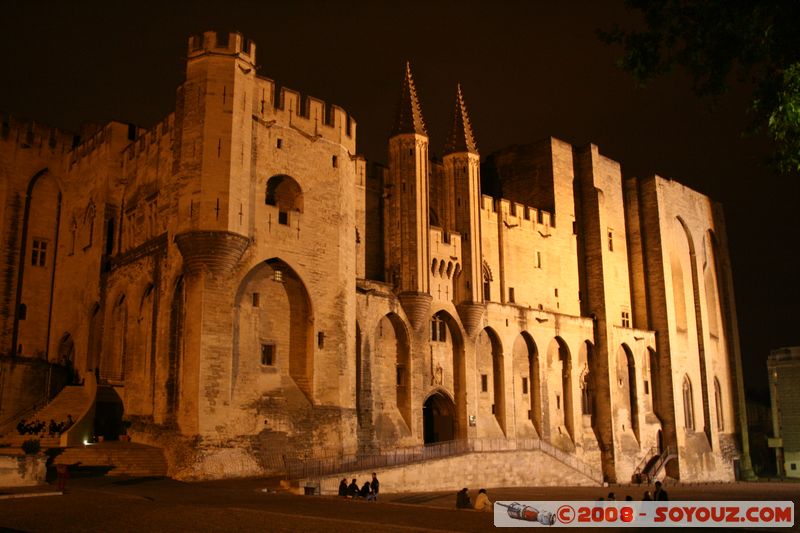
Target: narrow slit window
[484, 383]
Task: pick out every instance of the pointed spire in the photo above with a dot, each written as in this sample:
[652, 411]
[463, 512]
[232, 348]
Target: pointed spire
[460, 138]
[408, 118]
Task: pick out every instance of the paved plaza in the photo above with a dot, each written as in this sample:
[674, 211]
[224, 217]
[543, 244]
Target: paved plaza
[109, 504]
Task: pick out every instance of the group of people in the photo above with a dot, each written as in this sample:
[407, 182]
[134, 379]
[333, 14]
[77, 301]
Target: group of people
[368, 491]
[658, 495]
[482, 502]
[38, 427]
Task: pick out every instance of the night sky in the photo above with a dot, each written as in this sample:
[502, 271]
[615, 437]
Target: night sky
[528, 70]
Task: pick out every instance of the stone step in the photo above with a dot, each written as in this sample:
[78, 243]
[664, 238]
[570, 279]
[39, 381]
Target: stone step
[125, 458]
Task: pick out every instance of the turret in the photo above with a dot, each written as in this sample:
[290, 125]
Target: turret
[462, 212]
[214, 115]
[406, 222]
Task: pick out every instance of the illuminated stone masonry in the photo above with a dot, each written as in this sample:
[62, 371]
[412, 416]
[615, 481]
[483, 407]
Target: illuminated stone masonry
[254, 295]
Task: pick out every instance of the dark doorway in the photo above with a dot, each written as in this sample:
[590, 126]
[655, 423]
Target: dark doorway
[108, 414]
[438, 418]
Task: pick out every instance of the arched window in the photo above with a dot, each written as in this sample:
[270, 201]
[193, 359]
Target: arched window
[284, 193]
[688, 404]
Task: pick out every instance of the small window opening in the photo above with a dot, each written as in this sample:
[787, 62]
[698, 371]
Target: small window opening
[278, 276]
[484, 383]
[39, 253]
[524, 385]
[558, 401]
[321, 339]
[494, 410]
[610, 241]
[335, 161]
[268, 354]
[510, 296]
[401, 376]
[283, 218]
[256, 299]
[626, 319]
[279, 144]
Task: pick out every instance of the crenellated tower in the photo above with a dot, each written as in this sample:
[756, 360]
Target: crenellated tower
[407, 212]
[214, 117]
[462, 211]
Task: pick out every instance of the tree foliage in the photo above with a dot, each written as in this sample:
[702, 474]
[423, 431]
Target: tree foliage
[717, 42]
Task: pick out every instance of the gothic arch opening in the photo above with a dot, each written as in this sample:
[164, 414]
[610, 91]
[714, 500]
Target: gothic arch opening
[448, 366]
[588, 383]
[438, 418]
[274, 324]
[719, 405]
[177, 319]
[113, 366]
[37, 259]
[143, 367]
[393, 348]
[627, 393]
[491, 399]
[284, 193]
[66, 350]
[700, 341]
[688, 404]
[560, 381]
[528, 381]
[94, 340]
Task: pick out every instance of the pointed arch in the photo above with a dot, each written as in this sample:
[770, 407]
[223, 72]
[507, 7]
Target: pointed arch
[448, 365]
[38, 250]
[393, 346]
[177, 319]
[438, 418]
[274, 323]
[527, 384]
[688, 404]
[490, 365]
[115, 358]
[700, 337]
[560, 362]
[626, 382]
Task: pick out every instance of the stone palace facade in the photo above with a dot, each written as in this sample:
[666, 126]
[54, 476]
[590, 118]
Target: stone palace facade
[249, 288]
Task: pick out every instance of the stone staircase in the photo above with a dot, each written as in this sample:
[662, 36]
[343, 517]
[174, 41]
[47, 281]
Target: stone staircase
[72, 400]
[120, 458]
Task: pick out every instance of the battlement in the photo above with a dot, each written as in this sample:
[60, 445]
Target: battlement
[87, 152]
[145, 139]
[307, 114]
[29, 134]
[516, 214]
[218, 43]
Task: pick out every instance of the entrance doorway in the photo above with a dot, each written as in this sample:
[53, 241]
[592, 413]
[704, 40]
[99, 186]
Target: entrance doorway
[438, 418]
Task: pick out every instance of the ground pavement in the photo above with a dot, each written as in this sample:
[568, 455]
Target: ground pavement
[108, 504]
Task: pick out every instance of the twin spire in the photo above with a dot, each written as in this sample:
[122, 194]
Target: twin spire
[409, 115]
[408, 118]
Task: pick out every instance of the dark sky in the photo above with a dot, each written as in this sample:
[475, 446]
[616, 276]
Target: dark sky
[528, 70]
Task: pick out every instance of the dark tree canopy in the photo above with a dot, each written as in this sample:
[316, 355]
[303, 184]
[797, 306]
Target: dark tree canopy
[719, 41]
